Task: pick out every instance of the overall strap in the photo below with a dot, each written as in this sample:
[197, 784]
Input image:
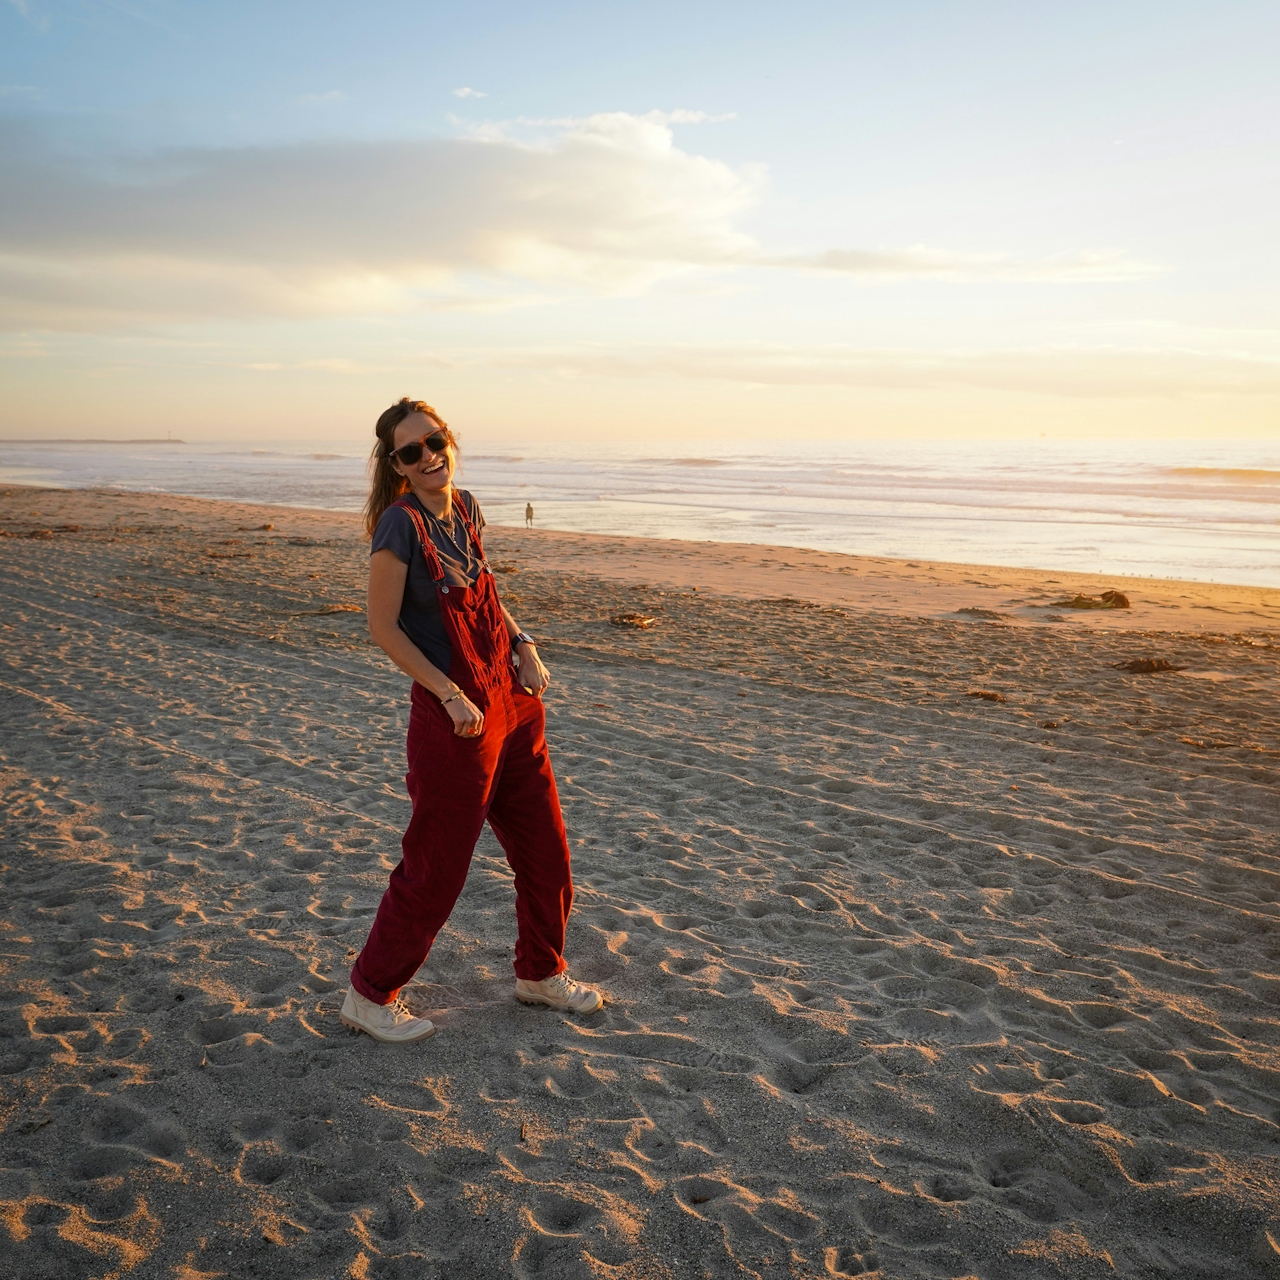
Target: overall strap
[471, 533]
[424, 538]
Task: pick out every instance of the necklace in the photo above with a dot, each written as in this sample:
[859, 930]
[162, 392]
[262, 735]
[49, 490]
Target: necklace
[447, 530]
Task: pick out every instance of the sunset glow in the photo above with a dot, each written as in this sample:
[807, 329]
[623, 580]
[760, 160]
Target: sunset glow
[942, 219]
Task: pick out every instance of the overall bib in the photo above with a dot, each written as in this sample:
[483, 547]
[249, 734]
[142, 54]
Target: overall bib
[503, 776]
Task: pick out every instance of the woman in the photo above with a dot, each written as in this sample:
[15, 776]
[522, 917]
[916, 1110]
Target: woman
[476, 744]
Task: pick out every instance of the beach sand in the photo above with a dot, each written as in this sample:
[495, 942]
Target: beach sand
[936, 944]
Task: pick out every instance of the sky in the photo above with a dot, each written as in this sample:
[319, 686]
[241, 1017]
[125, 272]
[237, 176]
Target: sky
[578, 223]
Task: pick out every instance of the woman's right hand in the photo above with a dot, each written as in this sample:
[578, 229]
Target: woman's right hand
[468, 719]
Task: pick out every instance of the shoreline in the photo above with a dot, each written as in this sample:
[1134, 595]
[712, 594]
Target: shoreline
[1191, 537]
[861, 583]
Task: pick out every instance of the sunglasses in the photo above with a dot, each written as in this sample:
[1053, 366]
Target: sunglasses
[411, 454]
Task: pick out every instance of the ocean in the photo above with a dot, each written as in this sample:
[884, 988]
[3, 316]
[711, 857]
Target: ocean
[1172, 510]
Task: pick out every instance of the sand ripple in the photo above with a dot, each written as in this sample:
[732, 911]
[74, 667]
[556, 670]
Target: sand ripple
[902, 982]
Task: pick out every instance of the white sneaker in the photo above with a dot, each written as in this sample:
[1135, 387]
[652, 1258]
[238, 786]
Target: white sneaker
[391, 1023]
[560, 992]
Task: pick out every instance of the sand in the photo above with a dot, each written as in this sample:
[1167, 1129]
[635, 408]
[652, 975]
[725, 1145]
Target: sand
[936, 944]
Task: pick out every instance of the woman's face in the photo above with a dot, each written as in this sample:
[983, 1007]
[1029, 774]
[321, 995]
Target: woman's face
[433, 472]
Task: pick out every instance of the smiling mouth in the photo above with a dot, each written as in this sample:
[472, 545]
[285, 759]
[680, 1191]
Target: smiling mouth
[439, 466]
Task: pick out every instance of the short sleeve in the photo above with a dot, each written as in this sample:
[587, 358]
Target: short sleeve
[395, 532]
[473, 509]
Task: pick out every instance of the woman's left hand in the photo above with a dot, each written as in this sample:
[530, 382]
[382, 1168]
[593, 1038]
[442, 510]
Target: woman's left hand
[530, 672]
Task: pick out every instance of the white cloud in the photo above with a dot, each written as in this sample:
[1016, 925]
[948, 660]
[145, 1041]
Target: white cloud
[464, 92]
[352, 227]
[603, 203]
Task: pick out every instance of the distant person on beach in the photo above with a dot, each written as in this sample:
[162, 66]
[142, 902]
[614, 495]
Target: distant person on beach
[528, 515]
[476, 741]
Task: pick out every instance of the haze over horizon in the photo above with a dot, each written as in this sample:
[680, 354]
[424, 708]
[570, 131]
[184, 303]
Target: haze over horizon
[670, 223]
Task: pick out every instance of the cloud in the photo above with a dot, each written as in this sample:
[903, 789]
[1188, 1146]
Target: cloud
[1098, 372]
[604, 120]
[345, 227]
[605, 203]
[464, 92]
[921, 262]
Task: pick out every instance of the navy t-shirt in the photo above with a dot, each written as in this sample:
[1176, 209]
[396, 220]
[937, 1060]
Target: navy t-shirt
[420, 616]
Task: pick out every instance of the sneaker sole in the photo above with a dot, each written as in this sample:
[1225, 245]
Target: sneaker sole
[562, 1008]
[353, 1025]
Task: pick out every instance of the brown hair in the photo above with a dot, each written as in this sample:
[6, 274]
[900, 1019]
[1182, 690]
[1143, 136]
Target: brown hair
[387, 483]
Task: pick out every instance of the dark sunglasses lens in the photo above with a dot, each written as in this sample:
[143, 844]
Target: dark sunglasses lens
[411, 454]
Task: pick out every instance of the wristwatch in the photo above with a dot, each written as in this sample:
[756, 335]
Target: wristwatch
[522, 637]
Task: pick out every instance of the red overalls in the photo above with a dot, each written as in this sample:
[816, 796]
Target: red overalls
[503, 775]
